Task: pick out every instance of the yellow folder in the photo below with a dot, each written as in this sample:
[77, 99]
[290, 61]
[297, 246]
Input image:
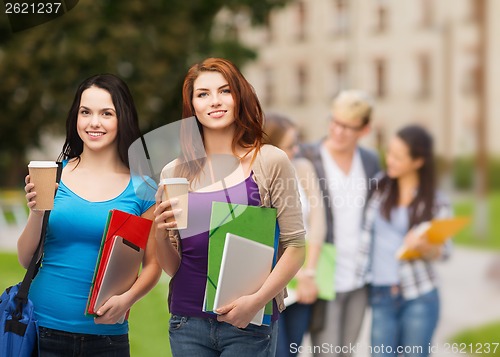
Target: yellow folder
[438, 231]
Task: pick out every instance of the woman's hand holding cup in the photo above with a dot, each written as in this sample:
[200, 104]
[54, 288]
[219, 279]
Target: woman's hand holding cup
[30, 194]
[42, 174]
[165, 213]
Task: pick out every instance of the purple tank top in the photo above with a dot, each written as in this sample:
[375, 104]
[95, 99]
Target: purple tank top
[188, 284]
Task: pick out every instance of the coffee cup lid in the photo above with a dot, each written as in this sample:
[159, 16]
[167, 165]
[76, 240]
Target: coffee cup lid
[42, 164]
[174, 180]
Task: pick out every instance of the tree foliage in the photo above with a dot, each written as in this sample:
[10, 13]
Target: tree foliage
[149, 43]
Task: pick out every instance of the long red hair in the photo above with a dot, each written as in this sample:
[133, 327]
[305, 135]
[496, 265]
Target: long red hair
[247, 111]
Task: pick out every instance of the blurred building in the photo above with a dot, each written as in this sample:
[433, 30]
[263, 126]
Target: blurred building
[421, 59]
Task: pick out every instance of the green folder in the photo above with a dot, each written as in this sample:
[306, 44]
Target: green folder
[252, 222]
[325, 273]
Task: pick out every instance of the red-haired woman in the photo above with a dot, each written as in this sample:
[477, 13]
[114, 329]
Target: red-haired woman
[229, 119]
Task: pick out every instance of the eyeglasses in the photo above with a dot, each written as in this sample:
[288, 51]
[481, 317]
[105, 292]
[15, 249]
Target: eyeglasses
[349, 128]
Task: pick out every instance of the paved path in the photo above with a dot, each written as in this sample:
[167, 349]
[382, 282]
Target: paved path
[468, 299]
[8, 238]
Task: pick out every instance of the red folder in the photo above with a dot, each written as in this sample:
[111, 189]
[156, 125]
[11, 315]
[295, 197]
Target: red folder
[134, 229]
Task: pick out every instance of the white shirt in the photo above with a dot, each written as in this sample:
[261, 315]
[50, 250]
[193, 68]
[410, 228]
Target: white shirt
[305, 205]
[348, 198]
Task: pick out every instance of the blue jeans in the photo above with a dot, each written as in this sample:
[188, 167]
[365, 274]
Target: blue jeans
[55, 343]
[402, 327]
[194, 336]
[293, 324]
[343, 321]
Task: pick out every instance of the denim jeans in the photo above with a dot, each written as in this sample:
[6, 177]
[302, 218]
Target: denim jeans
[194, 336]
[402, 326]
[293, 324]
[55, 343]
[343, 320]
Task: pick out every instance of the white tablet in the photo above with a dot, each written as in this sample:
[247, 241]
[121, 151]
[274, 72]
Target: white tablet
[121, 271]
[245, 266]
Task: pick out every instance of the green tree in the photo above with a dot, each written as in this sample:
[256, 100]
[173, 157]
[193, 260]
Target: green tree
[148, 43]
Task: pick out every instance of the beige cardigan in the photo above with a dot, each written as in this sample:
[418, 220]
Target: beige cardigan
[275, 177]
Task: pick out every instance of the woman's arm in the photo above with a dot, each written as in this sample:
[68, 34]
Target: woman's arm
[30, 237]
[118, 305]
[167, 254]
[421, 243]
[307, 290]
[316, 216]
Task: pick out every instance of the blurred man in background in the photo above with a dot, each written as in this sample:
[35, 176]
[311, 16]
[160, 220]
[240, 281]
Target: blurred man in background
[346, 173]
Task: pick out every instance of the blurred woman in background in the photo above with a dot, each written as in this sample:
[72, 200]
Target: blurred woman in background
[404, 293]
[294, 321]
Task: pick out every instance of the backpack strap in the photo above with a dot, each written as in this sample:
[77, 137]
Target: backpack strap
[36, 260]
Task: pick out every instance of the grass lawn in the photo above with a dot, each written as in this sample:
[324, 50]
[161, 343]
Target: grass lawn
[475, 341]
[483, 341]
[149, 324]
[11, 270]
[148, 318]
[467, 207]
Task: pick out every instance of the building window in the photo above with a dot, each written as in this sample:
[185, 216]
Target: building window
[424, 76]
[301, 84]
[474, 11]
[340, 77]
[380, 138]
[269, 94]
[470, 83]
[340, 19]
[381, 18]
[301, 21]
[268, 28]
[380, 78]
[427, 13]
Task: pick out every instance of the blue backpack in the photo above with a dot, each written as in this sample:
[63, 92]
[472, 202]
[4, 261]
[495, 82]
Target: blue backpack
[18, 327]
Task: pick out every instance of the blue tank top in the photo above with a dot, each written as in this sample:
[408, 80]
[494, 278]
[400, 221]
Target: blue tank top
[61, 288]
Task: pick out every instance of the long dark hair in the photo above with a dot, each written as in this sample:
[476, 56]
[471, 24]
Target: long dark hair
[128, 123]
[247, 111]
[420, 145]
